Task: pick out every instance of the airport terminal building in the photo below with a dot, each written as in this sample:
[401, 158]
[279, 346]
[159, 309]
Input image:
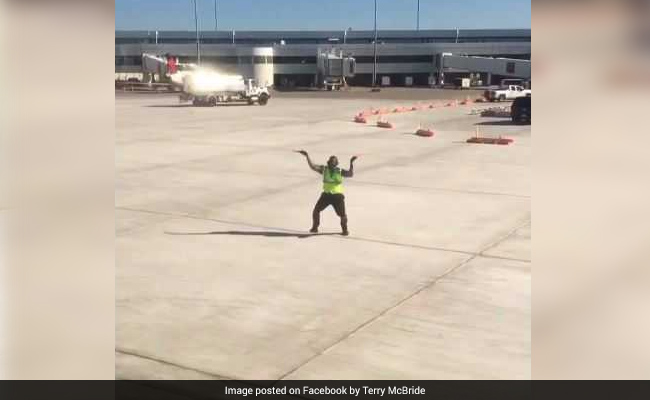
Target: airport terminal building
[289, 58]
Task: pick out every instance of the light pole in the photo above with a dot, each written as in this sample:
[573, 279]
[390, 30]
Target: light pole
[198, 38]
[374, 64]
[418, 23]
[216, 21]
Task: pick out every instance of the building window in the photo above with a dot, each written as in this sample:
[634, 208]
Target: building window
[293, 60]
[128, 61]
[395, 59]
[226, 59]
[261, 59]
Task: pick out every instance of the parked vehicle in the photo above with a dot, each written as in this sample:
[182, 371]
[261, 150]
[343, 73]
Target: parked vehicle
[203, 86]
[520, 111]
[509, 93]
[208, 88]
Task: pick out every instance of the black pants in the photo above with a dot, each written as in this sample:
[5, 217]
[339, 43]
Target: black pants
[335, 200]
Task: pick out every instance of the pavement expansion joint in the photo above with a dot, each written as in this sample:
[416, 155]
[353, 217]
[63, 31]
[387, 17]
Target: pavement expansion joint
[171, 364]
[424, 287]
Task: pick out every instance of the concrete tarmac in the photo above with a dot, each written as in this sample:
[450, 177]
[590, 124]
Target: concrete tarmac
[216, 277]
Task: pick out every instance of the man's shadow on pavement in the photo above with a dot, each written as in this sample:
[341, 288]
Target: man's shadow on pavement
[253, 233]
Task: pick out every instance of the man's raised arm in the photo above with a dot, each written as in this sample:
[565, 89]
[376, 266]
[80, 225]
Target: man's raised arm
[314, 167]
[350, 172]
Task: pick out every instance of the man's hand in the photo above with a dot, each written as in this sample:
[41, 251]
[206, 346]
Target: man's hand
[314, 167]
[349, 173]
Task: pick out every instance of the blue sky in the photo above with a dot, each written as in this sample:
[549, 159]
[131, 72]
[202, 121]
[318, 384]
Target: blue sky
[321, 14]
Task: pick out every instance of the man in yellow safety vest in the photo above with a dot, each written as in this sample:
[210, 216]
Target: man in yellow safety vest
[332, 190]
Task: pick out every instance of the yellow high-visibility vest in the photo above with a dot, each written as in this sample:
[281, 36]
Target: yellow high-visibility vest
[332, 181]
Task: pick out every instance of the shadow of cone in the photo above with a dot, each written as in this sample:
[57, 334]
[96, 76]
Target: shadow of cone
[384, 124]
[485, 140]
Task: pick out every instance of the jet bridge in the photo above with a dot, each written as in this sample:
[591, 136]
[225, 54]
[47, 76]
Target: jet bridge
[509, 67]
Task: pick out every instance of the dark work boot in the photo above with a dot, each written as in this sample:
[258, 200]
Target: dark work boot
[344, 226]
[315, 216]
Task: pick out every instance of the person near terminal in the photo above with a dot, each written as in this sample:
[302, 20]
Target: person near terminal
[332, 190]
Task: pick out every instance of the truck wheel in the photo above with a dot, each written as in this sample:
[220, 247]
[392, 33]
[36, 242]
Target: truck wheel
[212, 101]
[502, 98]
[264, 98]
[196, 102]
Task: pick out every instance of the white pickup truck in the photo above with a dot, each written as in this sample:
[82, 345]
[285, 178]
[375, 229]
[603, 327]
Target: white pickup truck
[510, 92]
